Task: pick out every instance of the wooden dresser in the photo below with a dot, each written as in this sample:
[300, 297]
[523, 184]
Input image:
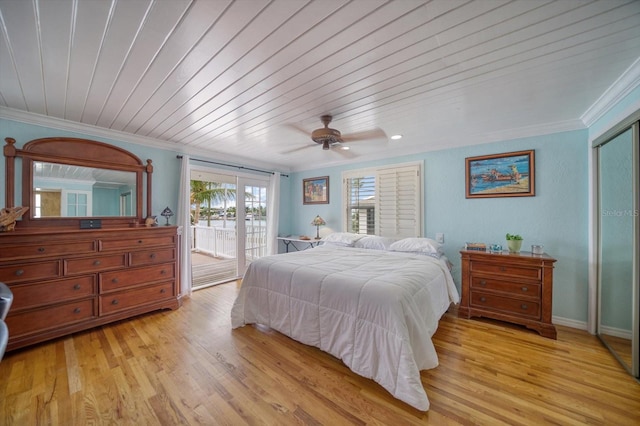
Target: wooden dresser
[65, 281]
[82, 255]
[514, 287]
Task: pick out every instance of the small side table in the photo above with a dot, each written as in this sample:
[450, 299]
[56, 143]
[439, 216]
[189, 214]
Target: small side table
[292, 241]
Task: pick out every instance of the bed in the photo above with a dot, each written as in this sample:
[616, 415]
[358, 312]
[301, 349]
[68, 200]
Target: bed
[375, 309]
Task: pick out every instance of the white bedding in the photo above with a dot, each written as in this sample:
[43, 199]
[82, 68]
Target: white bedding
[375, 310]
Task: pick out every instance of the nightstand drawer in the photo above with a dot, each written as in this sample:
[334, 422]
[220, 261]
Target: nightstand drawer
[504, 269]
[531, 290]
[525, 308]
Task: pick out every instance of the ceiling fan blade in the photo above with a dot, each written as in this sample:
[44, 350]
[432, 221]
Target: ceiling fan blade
[373, 134]
[298, 149]
[297, 128]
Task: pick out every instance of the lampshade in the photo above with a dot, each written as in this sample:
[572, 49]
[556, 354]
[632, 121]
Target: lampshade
[166, 213]
[318, 221]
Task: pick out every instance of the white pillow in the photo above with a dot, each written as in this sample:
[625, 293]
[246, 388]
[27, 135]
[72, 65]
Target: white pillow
[417, 245]
[373, 242]
[346, 239]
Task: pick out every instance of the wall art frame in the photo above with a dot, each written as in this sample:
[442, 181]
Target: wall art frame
[510, 174]
[315, 190]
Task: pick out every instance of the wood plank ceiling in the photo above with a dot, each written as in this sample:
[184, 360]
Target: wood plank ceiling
[251, 78]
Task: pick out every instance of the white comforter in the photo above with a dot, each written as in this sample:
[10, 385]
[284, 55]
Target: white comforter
[375, 310]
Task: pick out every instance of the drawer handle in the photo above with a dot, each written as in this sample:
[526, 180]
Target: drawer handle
[19, 272]
[114, 280]
[163, 272]
[525, 289]
[483, 299]
[114, 302]
[76, 287]
[152, 255]
[96, 262]
[164, 290]
[483, 283]
[139, 241]
[76, 311]
[502, 269]
[41, 249]
[524, 307]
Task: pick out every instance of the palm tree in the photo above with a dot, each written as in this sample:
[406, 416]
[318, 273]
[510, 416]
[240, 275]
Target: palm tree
[208, 191]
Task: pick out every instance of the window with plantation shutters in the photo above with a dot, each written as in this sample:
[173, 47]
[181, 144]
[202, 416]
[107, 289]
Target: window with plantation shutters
[385, 201]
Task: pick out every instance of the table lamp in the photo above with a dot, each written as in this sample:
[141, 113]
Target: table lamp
[317, 222]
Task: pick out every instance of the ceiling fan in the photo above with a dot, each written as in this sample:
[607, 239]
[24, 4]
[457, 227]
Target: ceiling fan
[330, 138]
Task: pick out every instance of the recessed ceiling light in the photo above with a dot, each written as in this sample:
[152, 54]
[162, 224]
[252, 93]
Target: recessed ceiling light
[396, 137]
[346, 148]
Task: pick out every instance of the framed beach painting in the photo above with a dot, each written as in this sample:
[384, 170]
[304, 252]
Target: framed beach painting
[511, 174]
[315, 190]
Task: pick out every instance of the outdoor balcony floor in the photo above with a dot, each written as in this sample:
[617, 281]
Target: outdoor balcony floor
[208, 270]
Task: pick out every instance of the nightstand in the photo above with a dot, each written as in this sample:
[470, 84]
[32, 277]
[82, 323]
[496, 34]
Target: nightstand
[513, 287]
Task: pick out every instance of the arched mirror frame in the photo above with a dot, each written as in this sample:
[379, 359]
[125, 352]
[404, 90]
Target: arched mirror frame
[78, 152]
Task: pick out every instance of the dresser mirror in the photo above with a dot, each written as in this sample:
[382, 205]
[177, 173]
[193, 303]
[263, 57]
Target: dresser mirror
[63, 190]
[66, 180]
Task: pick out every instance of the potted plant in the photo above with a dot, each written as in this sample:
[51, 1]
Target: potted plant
[514, 242]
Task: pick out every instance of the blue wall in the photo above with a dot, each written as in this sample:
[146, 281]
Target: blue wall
[556, 217]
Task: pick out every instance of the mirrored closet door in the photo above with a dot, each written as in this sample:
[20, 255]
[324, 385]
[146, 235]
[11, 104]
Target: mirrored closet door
[618, 247]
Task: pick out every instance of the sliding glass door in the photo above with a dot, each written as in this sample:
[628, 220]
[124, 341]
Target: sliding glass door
[255, 241]
[229, 225]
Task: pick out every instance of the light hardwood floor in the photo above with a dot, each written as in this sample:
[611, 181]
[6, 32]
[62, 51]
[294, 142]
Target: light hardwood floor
[189, 367]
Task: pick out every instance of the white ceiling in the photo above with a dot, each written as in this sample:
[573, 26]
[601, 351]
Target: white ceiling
[242, 78]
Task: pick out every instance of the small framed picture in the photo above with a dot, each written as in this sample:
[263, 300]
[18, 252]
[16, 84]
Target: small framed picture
[511, 174]
[315, 190]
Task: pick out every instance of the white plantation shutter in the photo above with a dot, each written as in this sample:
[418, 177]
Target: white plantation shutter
[399, 202]
[384, 201]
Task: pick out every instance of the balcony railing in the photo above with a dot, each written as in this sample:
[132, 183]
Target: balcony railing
[221, 242]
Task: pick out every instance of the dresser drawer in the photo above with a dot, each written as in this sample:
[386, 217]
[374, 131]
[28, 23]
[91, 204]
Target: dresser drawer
[148, 257]
[504, 269]
[523, 308]
[21, 272]
[48, 249]
[119, 301]
[530, 290]
[135, 243]
[94, 264]
[53, 317]
[117, 280]
[39, 294]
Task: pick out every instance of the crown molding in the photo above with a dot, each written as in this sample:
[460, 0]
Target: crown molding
[625, 84]
[95, 131]
[529, 131]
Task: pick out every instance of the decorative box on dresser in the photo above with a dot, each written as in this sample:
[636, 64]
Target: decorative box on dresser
[74, 263]
[513, 287]
[67, 281]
